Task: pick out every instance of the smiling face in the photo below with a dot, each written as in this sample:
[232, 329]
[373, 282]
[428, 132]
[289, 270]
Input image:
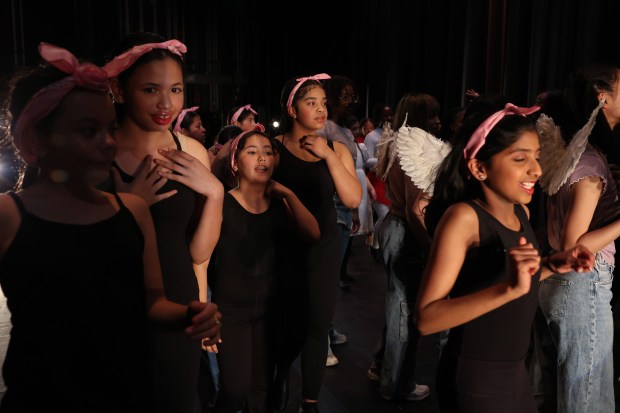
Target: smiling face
[153, 95]
[255, 161]
[510, 175]
[81, 145]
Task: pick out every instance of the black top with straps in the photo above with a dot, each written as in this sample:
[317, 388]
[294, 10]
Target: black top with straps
[504, 333]
[173, 219]
[78, 311]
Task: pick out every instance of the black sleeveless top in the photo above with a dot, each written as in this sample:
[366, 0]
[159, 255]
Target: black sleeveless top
[249, 250]
[313, 185]
[78, 312]
[504, 333]
[174, 221]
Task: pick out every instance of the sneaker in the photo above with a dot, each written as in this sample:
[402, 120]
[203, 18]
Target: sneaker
[336, 338]
[331, 360]
[373, 373]
[420, 392]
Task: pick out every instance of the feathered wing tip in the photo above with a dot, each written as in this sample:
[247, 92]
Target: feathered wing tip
[557, 160]
[385, 151]
[552, 151]
[420, 155]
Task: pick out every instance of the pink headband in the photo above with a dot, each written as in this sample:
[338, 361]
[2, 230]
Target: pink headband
[125, 60]
[235, 142]
[300, 81]
[478, 138]
[239, 111]
[85, 75]
[177, 125]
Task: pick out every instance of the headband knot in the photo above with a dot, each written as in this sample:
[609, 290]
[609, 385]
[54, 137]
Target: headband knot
[478, 138]
[121, 62]
[239, 111]
[300, 81]
[41, 104]
[177, 125]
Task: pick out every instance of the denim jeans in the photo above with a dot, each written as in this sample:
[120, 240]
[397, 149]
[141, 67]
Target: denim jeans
[578, 312]
[344, 221]
[404, 263]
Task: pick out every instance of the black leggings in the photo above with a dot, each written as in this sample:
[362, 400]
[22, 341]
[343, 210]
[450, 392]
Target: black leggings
[246, 356]
[308, 308]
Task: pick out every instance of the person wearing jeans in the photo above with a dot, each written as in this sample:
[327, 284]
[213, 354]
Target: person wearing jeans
[578, 312]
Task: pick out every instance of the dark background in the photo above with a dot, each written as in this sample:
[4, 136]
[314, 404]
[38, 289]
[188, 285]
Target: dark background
[242, 51]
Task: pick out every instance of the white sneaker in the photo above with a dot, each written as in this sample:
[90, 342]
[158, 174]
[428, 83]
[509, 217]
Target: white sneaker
[336, 337]
[331, 360]
[420, 392]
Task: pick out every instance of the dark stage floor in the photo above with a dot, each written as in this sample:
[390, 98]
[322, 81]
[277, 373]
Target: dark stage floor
[360, 315]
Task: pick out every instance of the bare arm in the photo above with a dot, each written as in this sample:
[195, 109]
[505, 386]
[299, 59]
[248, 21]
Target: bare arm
[204, 320]
[585, 195]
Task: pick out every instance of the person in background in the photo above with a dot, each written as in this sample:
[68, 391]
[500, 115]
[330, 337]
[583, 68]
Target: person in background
[243, 117]
[382, 113]
[367, 125]
[314, 169]
[584, 210]
[260, 218]
[404, 246]
[172, 174]
[78, 264]
[189, 124]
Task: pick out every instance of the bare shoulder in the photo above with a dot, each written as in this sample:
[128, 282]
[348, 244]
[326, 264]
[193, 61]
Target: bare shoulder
[197, 150]
[10, 220]
[461, 221]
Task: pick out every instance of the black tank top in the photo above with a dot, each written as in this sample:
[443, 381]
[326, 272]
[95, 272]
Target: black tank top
[313, 185]
[504, 333]
[247, 254]
[78, 312]
[173, 219]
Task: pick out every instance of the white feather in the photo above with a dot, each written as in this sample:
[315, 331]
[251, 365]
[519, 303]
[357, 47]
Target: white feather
[557, 160]
[420, 155]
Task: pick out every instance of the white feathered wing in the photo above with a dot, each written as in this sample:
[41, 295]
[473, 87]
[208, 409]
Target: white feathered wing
[420, 155]
[558, 160]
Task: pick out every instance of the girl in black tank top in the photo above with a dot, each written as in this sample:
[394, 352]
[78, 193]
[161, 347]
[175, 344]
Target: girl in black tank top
[261, 217]
[314, 169]
[484, 258]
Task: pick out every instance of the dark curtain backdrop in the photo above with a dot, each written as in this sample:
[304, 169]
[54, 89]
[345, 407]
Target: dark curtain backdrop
[243, 51]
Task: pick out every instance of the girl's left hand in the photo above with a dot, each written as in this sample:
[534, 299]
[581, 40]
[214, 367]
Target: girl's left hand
[189, 171]
[316, 145]
[578, 259]
[277, 190]
[205, 324]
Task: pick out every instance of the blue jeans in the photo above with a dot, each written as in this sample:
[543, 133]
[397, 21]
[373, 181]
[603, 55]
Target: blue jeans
[578, 312]
[404, 263]
[344, 221]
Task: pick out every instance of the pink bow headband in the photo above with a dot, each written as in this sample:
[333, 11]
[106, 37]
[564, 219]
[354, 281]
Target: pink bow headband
[239, 111]
[125, 60]
[41, 104]
[177, 125]
[300, 81]
[478, 138]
